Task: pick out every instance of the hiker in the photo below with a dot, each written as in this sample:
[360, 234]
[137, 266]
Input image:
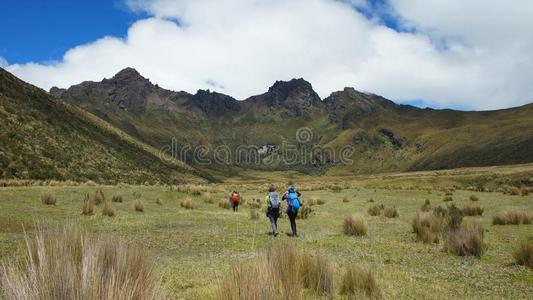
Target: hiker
[293, 205]
[273, 203]
[235, 199]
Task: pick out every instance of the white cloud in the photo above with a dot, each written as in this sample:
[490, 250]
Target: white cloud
[240, 47]
[3, 62]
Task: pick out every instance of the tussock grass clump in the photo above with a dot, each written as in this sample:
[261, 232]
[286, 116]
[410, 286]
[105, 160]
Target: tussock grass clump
[48, 198]
[513, 217]
[336, 188]
[345, 200]
[465, 241]
[472, 210]
[88, 205]
[208, 198]
[510, 190]
[117, 198]
[428, 227]
[312, 201]
[426, 206]
[524, 191]
[447, 199]
[304, 212]
[224, 203]
[283, 273]
[371, 200]
[254, 214]
[99, 197]
[107, 209]
[187, 203]
[474, 198]
[375, 210]
[390, 212]
[158, 201]
[138, 205]
[320, 201]
[523, 254]
[65, 263]
[357, 282]
[355, 225]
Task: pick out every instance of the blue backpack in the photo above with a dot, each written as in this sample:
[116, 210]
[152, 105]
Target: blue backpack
[294, 202]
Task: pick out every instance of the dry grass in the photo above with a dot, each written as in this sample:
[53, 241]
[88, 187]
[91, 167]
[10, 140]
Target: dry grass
[138, 205]
[88, 205]
[224, 203]
[511, 190]
[304, 212]
[523, 254]
[390, 212]
[426, 206]
[472, 210]
[447, 199]
[474, 198]
[65, 263]
[158, 201]
[355, 225]
[312, 201]
[283, 273]
[107, 209]
[466, 241]
[48, 198]
[359, 282]
[117, 198]
[254, 214]
[187, 203]
[375, 210]
[513, 217]
[428, 227]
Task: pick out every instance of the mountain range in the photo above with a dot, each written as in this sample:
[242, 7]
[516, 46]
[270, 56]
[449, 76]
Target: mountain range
[349, 132]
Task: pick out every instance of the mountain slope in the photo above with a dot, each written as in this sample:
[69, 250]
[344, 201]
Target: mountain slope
[381, 135]
[43, 138]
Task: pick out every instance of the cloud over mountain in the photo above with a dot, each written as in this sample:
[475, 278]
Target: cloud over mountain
[449, 53]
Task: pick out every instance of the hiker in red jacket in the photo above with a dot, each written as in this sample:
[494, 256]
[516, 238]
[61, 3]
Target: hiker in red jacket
[235, 199]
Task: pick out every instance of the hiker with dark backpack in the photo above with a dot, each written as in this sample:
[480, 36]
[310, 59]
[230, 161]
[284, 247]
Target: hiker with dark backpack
[273, 203]
[235, 199]
[293, 205]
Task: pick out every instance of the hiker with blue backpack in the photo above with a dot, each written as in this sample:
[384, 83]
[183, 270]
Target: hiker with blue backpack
[273, 203]
[292, 196]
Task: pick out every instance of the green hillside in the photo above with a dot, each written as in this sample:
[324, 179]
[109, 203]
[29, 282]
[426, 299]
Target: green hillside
[42, 138]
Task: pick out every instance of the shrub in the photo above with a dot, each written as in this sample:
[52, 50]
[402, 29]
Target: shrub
[117, 198]
[65, 263]
[187, 203]
[158, 201]
[304, 212]
[465, 241]
[345, 200]
[448, 199]
[107, 209]
[472, 210]
[48, 198]
[359, 281]
[390, 212]
[513, 217]
[254, 214]
[523, 255]
[138, 205]
[425, 206]
[355, 225]
[474, 198]
[375, 210]
[224, 203]
[88, 205]
[428, 227]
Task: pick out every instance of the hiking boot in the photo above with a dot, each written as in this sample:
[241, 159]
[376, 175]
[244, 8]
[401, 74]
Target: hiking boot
[276, 234]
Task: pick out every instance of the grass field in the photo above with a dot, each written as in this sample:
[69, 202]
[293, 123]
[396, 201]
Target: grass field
[193, 250]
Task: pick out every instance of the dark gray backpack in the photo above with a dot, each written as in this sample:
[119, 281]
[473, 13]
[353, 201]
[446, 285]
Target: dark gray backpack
[273, 198]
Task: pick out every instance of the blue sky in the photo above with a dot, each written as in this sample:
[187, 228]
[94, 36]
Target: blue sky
[42, 31]
[439, 53]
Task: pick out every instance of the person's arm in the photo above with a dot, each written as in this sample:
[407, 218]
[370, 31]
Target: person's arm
[284, 196]
[298, 193]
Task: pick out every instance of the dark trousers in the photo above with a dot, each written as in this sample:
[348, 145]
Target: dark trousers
[235, 206]
[292, 218]
[273, 216]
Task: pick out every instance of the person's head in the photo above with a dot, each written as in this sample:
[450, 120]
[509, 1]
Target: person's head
[292, 189]
[271, 189]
